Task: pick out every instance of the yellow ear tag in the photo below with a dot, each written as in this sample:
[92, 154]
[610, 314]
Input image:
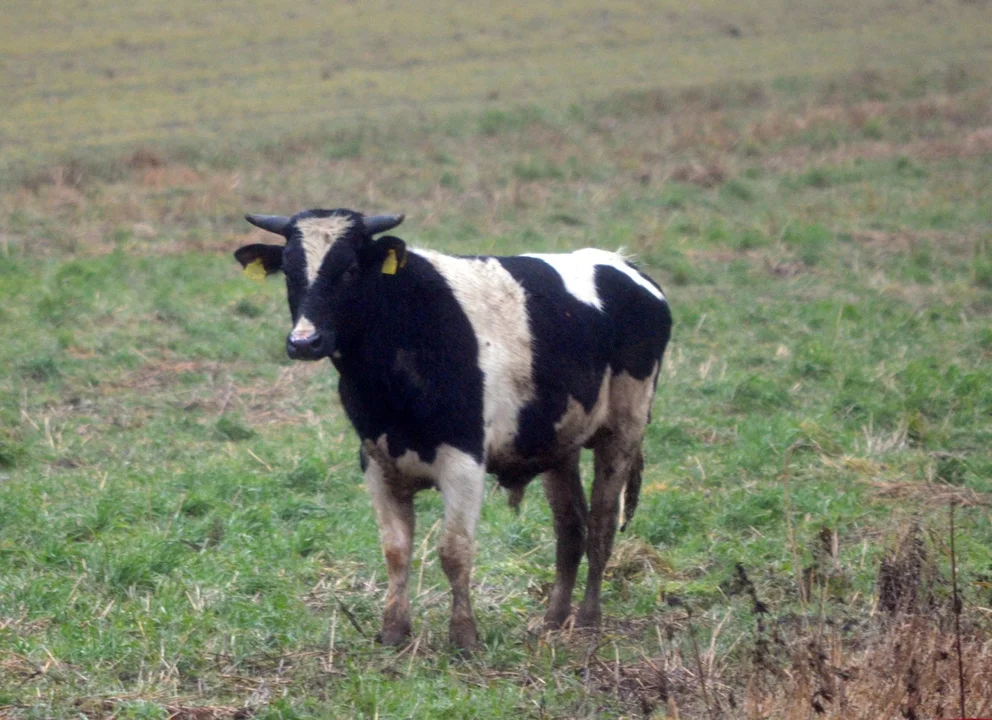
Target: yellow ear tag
[255, 270]
[390, 264]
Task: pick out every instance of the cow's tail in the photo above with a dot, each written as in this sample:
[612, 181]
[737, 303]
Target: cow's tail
[632, 490]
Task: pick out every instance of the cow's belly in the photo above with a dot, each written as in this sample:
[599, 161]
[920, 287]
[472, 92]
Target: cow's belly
[514, 452]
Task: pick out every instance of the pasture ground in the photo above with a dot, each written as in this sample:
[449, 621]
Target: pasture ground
[183, 528]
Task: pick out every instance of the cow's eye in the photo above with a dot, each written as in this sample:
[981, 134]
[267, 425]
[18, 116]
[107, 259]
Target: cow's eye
[351, 272]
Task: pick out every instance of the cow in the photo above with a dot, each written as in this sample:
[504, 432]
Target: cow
[452, 367]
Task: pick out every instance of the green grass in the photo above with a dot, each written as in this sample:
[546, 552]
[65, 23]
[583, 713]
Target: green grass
[192, 75]
[182, 519]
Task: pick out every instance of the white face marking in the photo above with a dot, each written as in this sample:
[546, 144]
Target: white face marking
[318, 236]
[304, 329]
[496, 307]
[578, 272]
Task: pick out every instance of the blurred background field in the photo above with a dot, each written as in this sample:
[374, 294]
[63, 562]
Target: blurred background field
[98, 73]
[183, 529]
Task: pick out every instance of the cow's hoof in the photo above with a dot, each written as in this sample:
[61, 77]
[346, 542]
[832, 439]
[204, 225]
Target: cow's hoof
[464, 637]
[587, 618]
[394, 636]
[556, 619]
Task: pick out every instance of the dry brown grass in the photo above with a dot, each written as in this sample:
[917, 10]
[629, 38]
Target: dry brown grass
[705, 175]
[898, 661]
[259, 401]
[175, 709]
[633, 558]
[929, 494]
[906, 669]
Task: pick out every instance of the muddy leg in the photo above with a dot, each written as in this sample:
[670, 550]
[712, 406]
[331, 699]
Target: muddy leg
[462, 484]
[613, 463]
[396, 520]
[563, 488]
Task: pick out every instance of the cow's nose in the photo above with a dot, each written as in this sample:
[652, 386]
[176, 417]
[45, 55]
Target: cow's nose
[306, 347]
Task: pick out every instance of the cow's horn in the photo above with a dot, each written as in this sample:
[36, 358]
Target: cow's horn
[381, 223]
[273, 223]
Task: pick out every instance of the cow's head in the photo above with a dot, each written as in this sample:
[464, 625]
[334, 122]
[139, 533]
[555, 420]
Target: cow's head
[325, 255]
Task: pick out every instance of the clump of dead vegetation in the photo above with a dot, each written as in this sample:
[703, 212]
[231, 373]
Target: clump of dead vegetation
[899, 659]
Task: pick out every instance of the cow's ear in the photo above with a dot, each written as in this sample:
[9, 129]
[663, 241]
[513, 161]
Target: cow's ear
[389, 253]
[259, 259]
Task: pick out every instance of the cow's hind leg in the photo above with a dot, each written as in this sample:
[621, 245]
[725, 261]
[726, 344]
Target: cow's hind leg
[395, 516]
[461, 481]
[563, 488]
[618, 461]
[613, 462]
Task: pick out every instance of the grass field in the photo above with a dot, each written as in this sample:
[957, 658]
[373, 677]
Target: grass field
[105, 75]
[183, 528]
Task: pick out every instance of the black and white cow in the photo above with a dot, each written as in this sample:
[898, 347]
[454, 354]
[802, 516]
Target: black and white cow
[454, 367]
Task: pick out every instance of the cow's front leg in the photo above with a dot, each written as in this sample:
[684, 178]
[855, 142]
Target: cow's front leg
[395, 516]
[461, 481]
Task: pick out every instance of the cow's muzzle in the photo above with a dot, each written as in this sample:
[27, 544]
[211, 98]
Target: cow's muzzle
[309, 347]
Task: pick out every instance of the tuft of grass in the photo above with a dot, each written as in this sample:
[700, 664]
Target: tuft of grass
[230, 428]
[537, 168]
[983, 273]
[811, 243]
[905, 166]
[308, 476]
[757, 393]
[40, 369]
[347, 148]
[873, 129]
[751, 239]
[753, 508]
[246, 308]
[12, 453]
[739, 190]
[494, 122]
[141, 569]
[449, 180]
[677, 268]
